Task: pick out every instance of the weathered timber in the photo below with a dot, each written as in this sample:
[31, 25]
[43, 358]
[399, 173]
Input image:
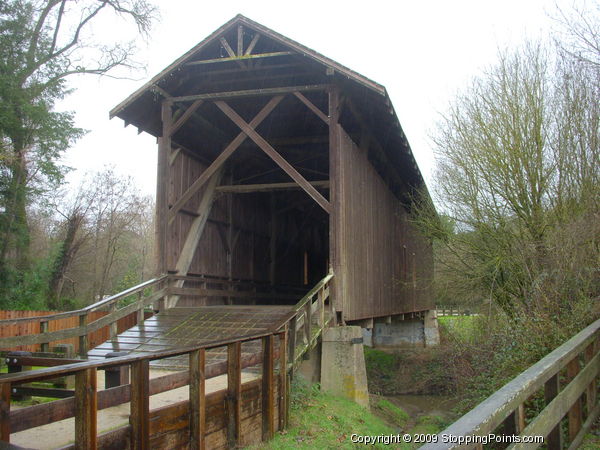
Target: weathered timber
[197, 400]
[140, 418]
[272, 153]
[234, 392]
[489, 414]
[268, 406]
[218, 162]
[251, 188]
[85, 410]
[238, 58]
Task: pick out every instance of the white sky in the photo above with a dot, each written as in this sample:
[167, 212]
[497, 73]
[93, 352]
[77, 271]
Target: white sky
[421, 51]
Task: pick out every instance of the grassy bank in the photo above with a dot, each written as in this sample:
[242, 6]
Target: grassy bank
[320, 420]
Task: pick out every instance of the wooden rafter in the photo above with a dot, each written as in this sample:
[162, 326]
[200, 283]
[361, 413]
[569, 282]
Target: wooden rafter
[250, 188]
[223, 156]
[272, 153]
[239, 58]
[312, 107]
[252, 44]
[240, 40]
[185, 116]
[251, 93]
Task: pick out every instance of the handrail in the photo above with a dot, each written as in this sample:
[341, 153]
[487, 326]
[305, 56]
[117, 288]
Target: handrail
[87, 309]
[505, 405]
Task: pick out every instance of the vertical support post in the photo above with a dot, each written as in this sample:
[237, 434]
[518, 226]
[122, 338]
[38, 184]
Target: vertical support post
[86, 405]
[140, 418]
[272, 241]
[162, 187]
[335, 199]
[284, 381]
[575, 413]
[234, 392]
[5, 389]
[268, 386]
[45, 346]
[551, 388]
[83, 338]
[112, 328]
[321, 295]
[591, 391]
[197, 399]
[291, 343]
[140, 315]
[307, 320]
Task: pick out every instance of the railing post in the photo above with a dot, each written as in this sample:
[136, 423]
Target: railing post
[83, 338]
[307, 320]
[86, 404]
[45, 346]
[292, 340]
[234, 392]
[112, 328]
[575, 413]
[139, 417]
[140, 314]
[5, 390]
[268, 404]
[197, 399]
[116, 376]
[284, 382]
[551, 388]
[591, 392]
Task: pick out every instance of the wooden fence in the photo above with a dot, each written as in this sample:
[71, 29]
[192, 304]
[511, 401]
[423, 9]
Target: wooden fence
[567, 381]
[35, 326]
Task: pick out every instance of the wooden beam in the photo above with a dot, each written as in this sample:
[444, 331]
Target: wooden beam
[268, 386]
[312, 107]
[250, 188]
[184, 118]
[227, 47]
[234, 394]
[197, 399]
[220, 160]
[197, 227]
[162, 185]
[252, 44]
[336, 195]
[5, 390]
[272, 153]
[156, 88]
[140, 417]
[244, 57]
[240, 40]
[251, 93]
[86, 406]
[173, 156]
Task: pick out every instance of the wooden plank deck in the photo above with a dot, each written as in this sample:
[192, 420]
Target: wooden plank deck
[182, 327]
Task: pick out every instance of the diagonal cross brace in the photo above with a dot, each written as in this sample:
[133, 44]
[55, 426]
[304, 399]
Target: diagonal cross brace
[248, 129]
[223, 156]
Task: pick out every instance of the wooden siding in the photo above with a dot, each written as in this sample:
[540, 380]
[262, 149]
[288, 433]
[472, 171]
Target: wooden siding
[385, 266]
[23, 329]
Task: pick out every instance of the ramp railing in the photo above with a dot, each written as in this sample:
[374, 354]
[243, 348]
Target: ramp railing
[217, 417]
[568, 377]
[313, 309]
[148, 292]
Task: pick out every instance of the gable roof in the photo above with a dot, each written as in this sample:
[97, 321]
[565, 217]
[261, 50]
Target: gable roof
[242, 20]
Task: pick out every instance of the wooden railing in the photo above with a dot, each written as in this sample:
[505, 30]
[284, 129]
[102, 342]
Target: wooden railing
[314, 304]
[572, 394]
[110, 304]
[146, 429]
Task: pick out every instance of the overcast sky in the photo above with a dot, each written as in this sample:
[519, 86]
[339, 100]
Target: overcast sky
[423, 52]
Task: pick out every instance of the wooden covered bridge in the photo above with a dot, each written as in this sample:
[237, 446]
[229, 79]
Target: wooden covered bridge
[284, 189]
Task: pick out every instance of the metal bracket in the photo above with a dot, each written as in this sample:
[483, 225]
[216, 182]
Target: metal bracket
[355, 341]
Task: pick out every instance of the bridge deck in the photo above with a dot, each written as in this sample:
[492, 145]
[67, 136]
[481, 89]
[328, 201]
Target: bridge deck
[182, 327]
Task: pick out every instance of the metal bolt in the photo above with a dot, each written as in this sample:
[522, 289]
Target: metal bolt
[15, 361]
[14, 390]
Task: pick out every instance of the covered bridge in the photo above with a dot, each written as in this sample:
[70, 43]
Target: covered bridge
[277, 165]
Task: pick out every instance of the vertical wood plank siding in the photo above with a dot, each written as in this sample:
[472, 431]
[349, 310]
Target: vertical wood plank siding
[23, 329]
[381, 249]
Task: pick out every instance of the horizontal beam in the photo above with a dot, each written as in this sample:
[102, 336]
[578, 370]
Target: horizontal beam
[249, 188]
[251, 93]
[239, 58]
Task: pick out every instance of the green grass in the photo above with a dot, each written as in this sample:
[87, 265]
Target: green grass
[396, 414]
[319, 420]
[382, 362]
[461, 327]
